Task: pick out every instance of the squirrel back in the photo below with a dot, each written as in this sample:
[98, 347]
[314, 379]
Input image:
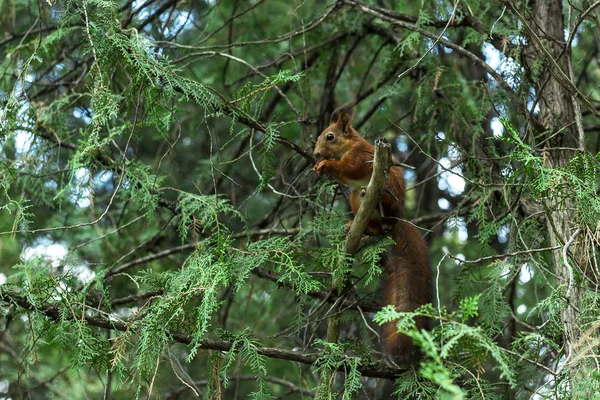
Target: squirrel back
[348, 157]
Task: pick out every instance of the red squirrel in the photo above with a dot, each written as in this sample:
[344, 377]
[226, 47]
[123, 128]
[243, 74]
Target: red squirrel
[348, 158]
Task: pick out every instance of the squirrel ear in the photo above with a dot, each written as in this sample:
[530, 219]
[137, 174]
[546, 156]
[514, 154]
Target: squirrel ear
[341, 116]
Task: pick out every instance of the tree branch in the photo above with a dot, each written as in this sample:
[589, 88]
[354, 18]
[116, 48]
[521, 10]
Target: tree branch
[381, 165]
[382, 161]
[372, 370]
[344, 302]
[368, 9]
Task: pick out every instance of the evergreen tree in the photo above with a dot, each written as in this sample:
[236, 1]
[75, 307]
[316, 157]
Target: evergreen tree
[162, 234]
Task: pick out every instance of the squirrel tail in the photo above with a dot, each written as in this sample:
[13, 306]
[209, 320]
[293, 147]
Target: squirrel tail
[407, 286]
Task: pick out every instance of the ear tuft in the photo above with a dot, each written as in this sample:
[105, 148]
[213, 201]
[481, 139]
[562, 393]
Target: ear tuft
[341, 116]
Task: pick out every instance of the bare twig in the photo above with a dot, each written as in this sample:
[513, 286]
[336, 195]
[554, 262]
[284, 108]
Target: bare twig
[501, 256]
[565, 249]
[435, 42]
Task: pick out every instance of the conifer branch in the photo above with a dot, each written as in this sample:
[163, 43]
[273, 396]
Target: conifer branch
[55, 313]
[368, 9]
[343, 301]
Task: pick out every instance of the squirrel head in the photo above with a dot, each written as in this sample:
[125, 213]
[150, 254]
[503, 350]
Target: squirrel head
[338, 137]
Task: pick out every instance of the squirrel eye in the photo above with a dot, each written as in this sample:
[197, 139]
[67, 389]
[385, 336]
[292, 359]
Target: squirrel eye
[330, 136]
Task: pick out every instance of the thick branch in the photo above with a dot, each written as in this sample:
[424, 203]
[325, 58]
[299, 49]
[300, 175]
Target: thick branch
[382, 161]
[375, 370]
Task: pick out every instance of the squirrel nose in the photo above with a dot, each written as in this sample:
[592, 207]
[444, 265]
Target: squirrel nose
[317, 153]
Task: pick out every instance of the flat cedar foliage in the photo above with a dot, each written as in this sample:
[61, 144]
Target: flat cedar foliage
[162, 234]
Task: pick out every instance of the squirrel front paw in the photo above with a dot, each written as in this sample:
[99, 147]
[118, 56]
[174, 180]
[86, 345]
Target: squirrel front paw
[347, 227]
[319, 166]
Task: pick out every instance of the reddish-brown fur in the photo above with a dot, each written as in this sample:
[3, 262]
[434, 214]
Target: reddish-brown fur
[407, 287]
[347, 157]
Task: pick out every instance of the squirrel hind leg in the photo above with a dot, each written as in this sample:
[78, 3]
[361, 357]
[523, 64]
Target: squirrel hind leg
[374, 227]
[399, 349]
[402, 360]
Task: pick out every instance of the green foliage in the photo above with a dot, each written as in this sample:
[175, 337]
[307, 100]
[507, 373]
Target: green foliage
[137, 244]
[451, 348]
[200, 214]
[21, 219]
[371, 257]
[280, 253]
[249, 93]
[495, 310]
[332, 360]
[245, 348]
[266, 157]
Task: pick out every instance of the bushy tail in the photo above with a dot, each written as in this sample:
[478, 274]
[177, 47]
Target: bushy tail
[407, 286]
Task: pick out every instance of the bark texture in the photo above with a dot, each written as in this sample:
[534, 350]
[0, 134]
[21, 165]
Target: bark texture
[558, 111]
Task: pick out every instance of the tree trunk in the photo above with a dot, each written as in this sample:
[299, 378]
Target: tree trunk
[558, 111]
